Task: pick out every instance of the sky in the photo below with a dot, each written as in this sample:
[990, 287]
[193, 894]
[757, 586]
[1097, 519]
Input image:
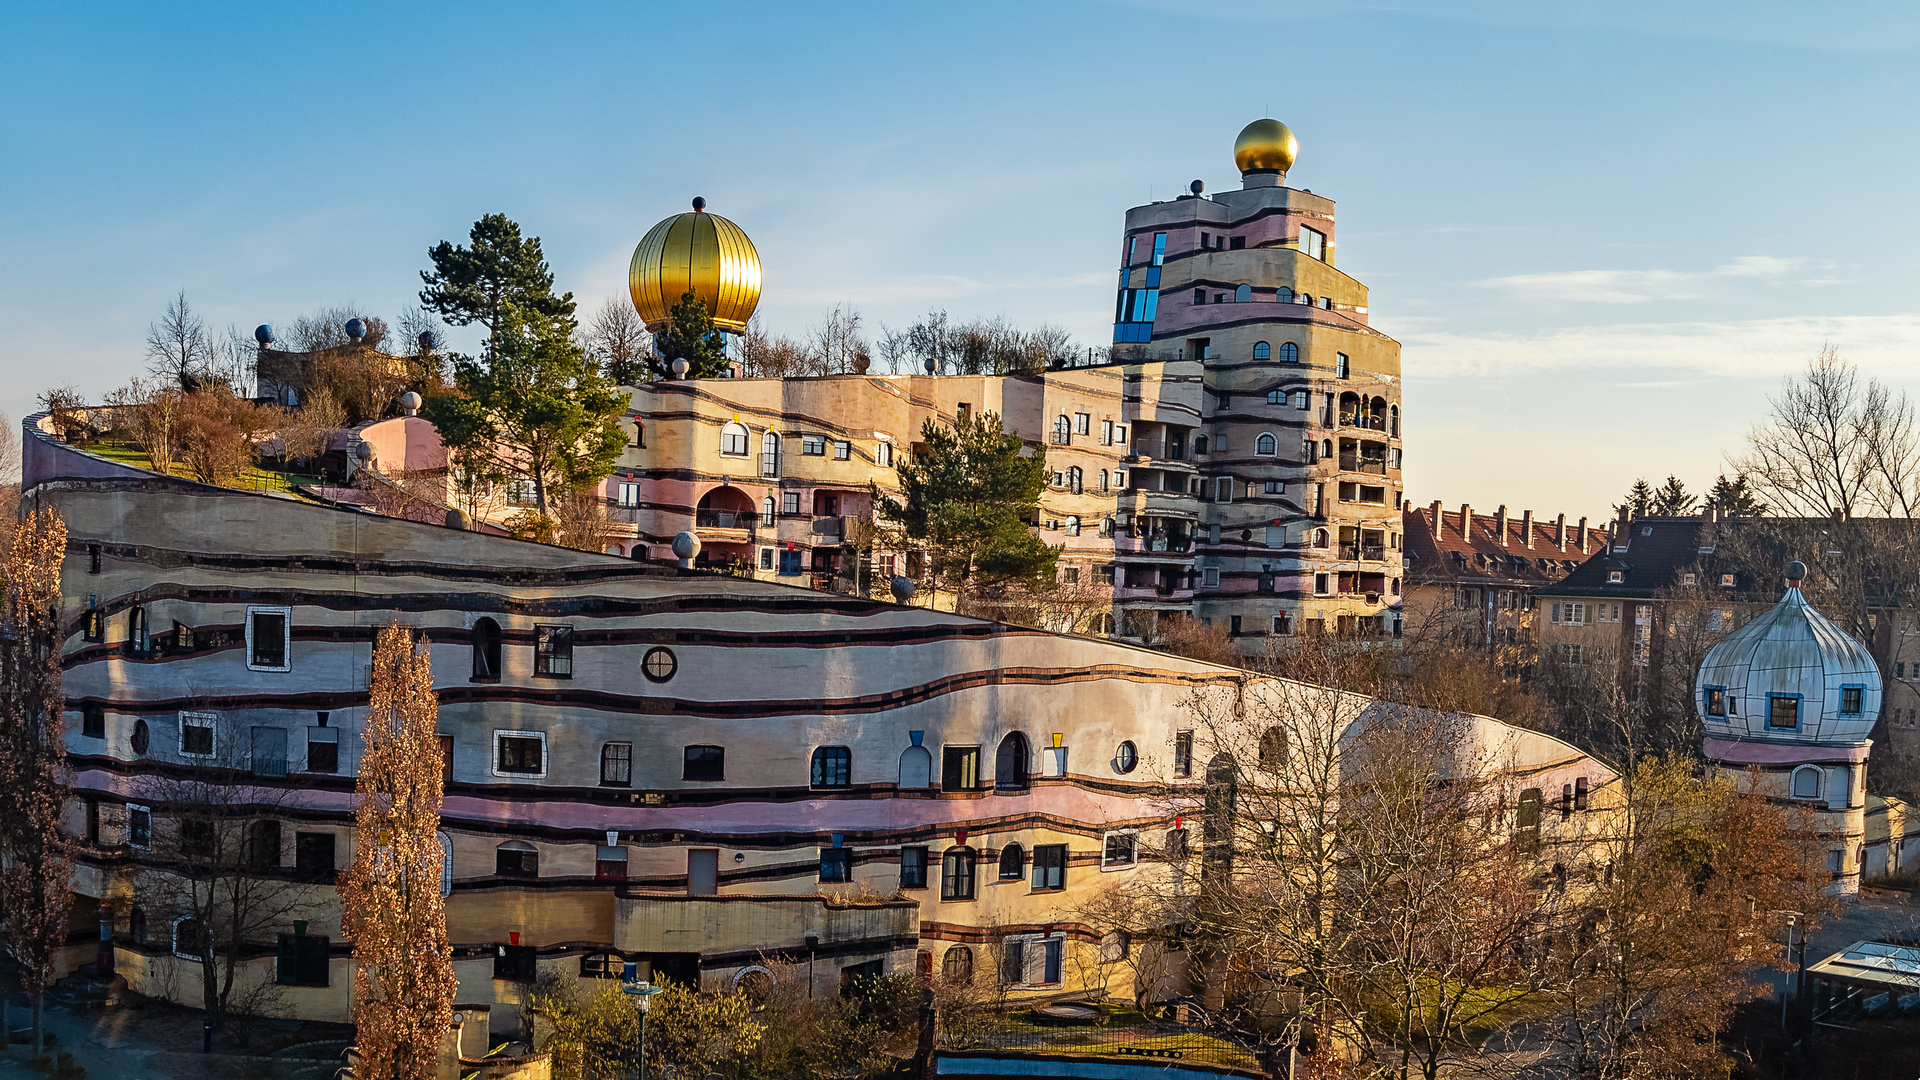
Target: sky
[1603, 233]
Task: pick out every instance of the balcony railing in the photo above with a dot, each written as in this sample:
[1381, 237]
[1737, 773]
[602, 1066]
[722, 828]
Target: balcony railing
[1371, 423]
[724, 519]
[1357, 463]
[828, 526]
[1369, 552]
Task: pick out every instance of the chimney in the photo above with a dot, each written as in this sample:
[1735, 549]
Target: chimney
[1582, 535]
[1526, 529]
[1466, 521]
[1500, 524]
[1560, 533]
[1435, 509]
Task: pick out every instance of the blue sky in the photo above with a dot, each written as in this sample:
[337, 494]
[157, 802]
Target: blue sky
[1603, 232]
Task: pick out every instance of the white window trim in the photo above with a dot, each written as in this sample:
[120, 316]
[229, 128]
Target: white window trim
[173, 940]
[205, 720]
[1275, 452]
[746, 436]
[1033, 957]
[493, 761]
[286, 629]
[1107, 867]
[126, 828]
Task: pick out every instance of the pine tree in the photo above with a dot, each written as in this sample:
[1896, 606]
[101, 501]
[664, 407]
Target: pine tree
[1672, 499]
[34, 883]
[1639, 499]
[391, 907]
[501, 270]
[1735, 497]
[690, 335]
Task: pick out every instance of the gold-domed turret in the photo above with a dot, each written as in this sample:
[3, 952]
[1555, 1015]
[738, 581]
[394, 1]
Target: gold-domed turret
[1265, 146]
[699, 251]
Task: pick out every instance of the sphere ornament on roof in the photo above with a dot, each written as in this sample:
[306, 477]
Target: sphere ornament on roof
[1790, 675]
[702, 252]
[1265, 146]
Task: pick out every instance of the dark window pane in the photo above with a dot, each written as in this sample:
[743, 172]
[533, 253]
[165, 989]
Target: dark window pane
[1050, 866]
[518, 754]
[323, 757]
[833, 864]
[269, 639]
[832, 767]
[313, 856]
[516, 858]
[553, 651]
[1013, 863]
[485, 639]
[513, 963]
[705, 763]
[913, 868]
[960, 768]
[616, 764]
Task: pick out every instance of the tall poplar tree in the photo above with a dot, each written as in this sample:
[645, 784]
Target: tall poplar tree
[390, 898]
[35, 896]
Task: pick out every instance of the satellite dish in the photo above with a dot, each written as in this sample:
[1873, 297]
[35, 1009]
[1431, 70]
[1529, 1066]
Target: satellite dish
[1197, 186]
[356, 329]
[263, 334]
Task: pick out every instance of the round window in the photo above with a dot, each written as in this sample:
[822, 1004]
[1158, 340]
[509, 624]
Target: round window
[659, 664]
[1126, 757]
[141, 737]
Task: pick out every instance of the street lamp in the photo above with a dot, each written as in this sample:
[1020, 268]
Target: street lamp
[642, 994]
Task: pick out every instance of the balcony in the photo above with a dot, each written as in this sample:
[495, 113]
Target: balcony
[1357, 463]
[1363, 552]
[650, 921]
[1368, 423]
[829, 527]
[723, 519]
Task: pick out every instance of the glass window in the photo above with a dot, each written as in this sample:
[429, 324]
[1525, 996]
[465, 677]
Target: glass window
[883, 454]
[1806, 783]
[553, 651]
[769, 454]
[609, 863]
[1159, 248]
[956, 874]
[1013, 862]
[789, 502]
[514, 963]
[516, 858]
[913, 868]
[704, 763]
[813, 445]
[629, 495]
[616, 764]
[1289, 352]
[1264, 445]
[832, 767]
[484, 639]
[268, 638]
[834, 865]
[196, 734]
[1183, 753]
[1850, 701]
[957, 965]
[1010, 764]
[1243, 295]
[733, 440]
[1050, 866]
[1313, 243]
[1051, 952]
[1126, 757]
[1120, 849]
[520, 752]
[960, 768]
[659, 664]
[1783, 712]
[842, 450]
[1716, 701]
[1076, 479]
[1341, 365]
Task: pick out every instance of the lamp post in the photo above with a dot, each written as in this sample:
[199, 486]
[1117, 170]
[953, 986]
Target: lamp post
[642, 994]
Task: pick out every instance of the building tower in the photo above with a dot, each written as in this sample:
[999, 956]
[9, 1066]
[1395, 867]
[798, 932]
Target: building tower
[701, 252]
[1790, 698]
[1296, 454]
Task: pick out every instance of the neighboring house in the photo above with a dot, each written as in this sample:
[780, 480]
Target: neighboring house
[1471, 578]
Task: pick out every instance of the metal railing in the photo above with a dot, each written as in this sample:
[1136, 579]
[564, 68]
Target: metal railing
[725, 519]
[1109, 1031]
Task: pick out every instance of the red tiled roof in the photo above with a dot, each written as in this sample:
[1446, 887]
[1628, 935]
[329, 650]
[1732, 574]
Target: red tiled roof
[1451, 553]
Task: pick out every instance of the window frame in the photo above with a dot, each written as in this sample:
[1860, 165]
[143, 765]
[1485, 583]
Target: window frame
[1799, 711]
[687, 762]
[200, 720]
[546, 652]
[813, 446]
[128, 833]
[967, 859]
[817, 774]
[839, 862]
[286, 637]
[1859, 692]
[1131, 838]
[608, 756]
[1047, 868]
[731, 431]
[1714, 696]
[494, 759]
[647, 664]
[1266, 444]
[1819, 784]
[527, 847]
[913, 858]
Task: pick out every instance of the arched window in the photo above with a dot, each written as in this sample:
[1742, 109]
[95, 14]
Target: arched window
[733, 440]
[1289, 352]
[766, 512]
[1013, 862]
[1062, 430]
[137, 632]
[770, 454]
[1073, 525]
[1283, 295]
[1326, 448]
[485, 640]
[1010, 764]
[1264, 445]
[956, 874]
[1806, 782]
[639, 434]
[1304, 298]
[1393, 421]
[916, 767]
[1243, 295]
[957, 965]
[603, 965]
[516, 858]
[446, 864]
[1076, 479]
[832, 767]
[1262, 351]
[1273, 748]
[1199, 444]
[1319, 538]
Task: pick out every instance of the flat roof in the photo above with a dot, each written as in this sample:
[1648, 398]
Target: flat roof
[1879, 963]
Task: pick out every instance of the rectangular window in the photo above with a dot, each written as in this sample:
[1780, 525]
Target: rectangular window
[834, 865]
[960, 768]
[513, 963]
[313, 856]
[1716, 701]
[1850, 700]
[883, 454]
[302, 961]
[1783, 712]
[913, 868]
[269, 751]
[1313, 243]
[139, 827]
[1210, 577]
[616, 764]
[1183, 753]
[1176, 845]
[1322, 584]
[1050, 866]
[196, 735]
[1082, 423]
[1342, 367]
[1106, 433]
[1051, 951]
[766, 558]
[956, 874]
[269, 638]
[1283, 623]
[629, 495]
[1159, 249]
[609, 863]
[93, 721]
[792, 562]
[323, 750]
[813, 445]
[789, 502]
[1013, 962]
[1120, 851]
[553, 651]
[704, 763]
[519, 753]
[1223, 489]
[842, 450]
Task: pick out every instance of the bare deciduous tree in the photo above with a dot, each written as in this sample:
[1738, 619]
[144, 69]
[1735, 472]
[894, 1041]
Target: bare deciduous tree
[390, 896]
[1833, 445]
[179, 348]
[618, 341]
[838, 344]
[151, 413]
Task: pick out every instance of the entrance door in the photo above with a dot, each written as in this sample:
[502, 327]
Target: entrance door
[703, 871]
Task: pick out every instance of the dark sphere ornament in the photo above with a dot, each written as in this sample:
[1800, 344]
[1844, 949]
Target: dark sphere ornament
[263, 334]
[1796, 571]
[356, 329]
[699, 203]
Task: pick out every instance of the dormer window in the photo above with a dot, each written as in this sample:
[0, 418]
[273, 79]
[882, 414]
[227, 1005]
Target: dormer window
[1726, 581]
[1850, 700]
[1783, 712]
[1615, 577]
[1716, 701]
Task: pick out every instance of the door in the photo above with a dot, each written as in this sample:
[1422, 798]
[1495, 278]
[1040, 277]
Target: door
[703, 871]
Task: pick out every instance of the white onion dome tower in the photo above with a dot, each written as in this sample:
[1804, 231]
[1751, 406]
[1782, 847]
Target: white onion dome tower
[1793, 696]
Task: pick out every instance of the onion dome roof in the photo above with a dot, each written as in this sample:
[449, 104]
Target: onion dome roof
[1265, 146]
[1790, 675]
[699, 251]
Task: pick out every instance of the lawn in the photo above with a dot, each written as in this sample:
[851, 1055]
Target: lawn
[254, 479]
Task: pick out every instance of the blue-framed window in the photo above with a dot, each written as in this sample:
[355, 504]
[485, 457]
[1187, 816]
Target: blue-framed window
[1716, 701]
[1783, 712]
[1159, 249]
[791, 562]
[1852, 699]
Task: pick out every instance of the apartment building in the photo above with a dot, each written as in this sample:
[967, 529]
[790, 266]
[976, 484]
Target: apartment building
[1472, 578]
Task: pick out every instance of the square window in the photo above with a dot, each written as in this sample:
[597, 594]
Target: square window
[1120, 851]
[616, 764]
[813, 445]
[1783, 712]
[790, 502]
[1049, 867]
[269, 638]
[303, 961]
[196, 735]
[960, 768]
[704, 763]
[913, 868]
[1716, 701]
[520, 753]
[609, 863]
[834, 864]
[629, 495]
[1850, 701]
[842, 450]
[553, 651]
[513, 963]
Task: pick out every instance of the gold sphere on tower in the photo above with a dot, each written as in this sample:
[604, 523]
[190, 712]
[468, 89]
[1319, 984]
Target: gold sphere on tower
[1265, 146]
[699, 251]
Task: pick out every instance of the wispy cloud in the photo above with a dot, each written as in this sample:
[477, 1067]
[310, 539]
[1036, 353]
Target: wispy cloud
[1640, 286]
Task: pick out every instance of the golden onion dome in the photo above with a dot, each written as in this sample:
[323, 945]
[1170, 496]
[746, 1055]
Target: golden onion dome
[1265, 146]
[699, 251]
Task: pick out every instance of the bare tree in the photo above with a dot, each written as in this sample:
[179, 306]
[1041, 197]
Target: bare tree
[837, 341]
[179, 349]
[774, 356]
[393, 910]
[1833, 445]
[313, 426]
[619, 342]
[34, 892]
[327, 329]
[216, 434]
[580, 514]
[67, 412]
[151, 413]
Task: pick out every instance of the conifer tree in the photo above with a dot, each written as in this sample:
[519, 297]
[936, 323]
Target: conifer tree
[690, 335]
[1672, 499]
[1735, 497]
[390, 898]
[500, 270]
[1639, 499]
[35, 896]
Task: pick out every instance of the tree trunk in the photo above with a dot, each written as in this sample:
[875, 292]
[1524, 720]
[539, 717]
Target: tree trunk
[39, 1039]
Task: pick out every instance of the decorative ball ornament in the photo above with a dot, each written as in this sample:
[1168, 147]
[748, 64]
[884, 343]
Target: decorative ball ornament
[263, 334]
[410, 403]
[903, 588]
[457, 519]
[363, 450]
[1796, 573]
[1265, 146]
[1197, 186]
[356, 329]
[679, 367]
[429, 341]
[701, 252]
[685, 547]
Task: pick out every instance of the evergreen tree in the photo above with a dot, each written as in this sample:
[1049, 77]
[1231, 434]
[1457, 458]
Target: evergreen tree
[967, 493]
[537, 404]
[689, 334]
[501, 270]
[1672, 499]
[1639, 499]
[1735, 497]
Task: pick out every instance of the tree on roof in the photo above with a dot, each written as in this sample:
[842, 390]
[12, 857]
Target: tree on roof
[500, 270]
[691, 336]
